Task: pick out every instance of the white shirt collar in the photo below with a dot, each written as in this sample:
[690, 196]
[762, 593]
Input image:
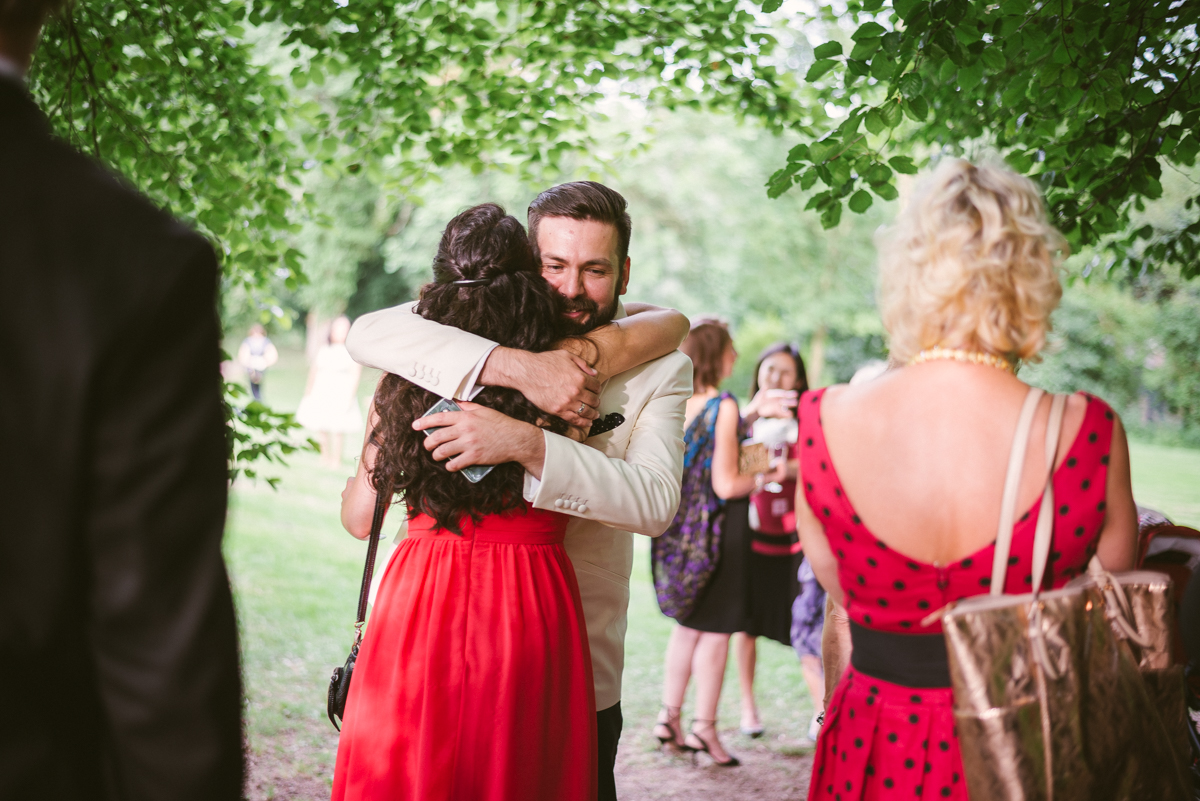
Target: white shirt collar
[9, 69]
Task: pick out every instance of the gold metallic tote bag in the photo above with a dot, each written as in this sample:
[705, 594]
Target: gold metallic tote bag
[1060, 695]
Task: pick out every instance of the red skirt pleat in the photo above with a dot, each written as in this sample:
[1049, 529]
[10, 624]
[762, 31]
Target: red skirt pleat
[474, 679]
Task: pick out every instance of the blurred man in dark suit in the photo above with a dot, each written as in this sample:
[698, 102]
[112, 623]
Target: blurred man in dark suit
[118, 644]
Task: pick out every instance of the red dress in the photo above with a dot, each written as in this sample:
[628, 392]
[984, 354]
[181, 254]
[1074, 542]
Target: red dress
[474, 681]
[882, 740]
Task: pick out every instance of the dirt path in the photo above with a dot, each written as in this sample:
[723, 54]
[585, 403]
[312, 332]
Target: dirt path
[771, 770]
[297, 767]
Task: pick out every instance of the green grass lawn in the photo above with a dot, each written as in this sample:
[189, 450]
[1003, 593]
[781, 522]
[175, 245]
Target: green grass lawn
[296, 574]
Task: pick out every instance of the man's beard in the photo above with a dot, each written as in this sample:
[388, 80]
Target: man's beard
[596, 316]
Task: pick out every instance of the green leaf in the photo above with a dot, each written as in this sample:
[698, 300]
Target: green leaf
[1185, 152]
[903, 164]
[857, 68]
[970, 76]
[827, 50]
[860, 201]
[946, 71]
[892, 114]
[966, 34]
[868, 30]
[865, 48]
[878, 173]
[799, 153]
[994, 60]
[917, 109]
[771, 5]
[910, 84]
[832, 215]
[905, 8]
[886, 191]
[820, 151]
[818, 70]
[875, 123]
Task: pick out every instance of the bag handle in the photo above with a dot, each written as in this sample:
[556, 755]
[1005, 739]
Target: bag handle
[1012, 482]
[1044, 533]
[381, 507]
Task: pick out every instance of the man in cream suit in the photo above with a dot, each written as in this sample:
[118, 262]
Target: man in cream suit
[621, 481]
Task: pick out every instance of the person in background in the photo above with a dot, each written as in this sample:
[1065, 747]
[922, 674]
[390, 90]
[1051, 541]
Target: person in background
[118, 641]
[708, 604]
[255, 355]
[902, 476]
[330, 403]
[774, 553]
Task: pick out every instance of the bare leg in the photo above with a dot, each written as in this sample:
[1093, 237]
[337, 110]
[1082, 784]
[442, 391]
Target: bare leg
[323, 446]
[708, 666]
[677, 670]
[337, 440]
[746, 649]
[814, 677]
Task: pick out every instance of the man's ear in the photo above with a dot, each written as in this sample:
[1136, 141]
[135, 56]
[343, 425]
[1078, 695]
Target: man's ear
[624, 279]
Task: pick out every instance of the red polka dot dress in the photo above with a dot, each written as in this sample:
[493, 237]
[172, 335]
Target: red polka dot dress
[883, 740]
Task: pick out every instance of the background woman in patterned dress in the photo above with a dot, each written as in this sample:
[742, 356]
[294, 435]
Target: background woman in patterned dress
[902, 476]
[708, 607]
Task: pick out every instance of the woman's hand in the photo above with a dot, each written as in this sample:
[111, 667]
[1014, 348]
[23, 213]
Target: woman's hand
[558, 382]
[776, 475]
[771, 403]
[479, 435]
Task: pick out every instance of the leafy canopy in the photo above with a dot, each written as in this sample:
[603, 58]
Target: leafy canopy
[1091, 100]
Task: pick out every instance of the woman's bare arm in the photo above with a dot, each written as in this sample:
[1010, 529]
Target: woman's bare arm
[835, 646]
[726, 480]
[1117, 547]
[641, 337]
[835, 639]
[358, 499]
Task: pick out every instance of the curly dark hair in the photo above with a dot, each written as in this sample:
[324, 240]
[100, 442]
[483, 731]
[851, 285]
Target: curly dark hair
[512, 306]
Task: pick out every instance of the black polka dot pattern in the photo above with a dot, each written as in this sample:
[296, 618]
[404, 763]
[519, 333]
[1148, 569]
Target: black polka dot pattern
[883, 740]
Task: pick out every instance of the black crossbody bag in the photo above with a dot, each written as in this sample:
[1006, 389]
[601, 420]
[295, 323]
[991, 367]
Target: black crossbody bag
[339, 682]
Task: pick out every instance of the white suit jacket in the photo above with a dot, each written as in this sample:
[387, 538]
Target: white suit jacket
[626, 480]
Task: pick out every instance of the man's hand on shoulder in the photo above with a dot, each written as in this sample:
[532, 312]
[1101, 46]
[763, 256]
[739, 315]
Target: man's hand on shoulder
[557, 382]
[483, 436]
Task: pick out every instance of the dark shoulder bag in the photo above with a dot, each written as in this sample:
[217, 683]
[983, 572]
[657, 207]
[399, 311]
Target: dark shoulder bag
[339, 682]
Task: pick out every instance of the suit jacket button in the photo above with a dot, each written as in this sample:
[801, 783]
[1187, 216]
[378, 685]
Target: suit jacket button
[558, 503]
[582, 508]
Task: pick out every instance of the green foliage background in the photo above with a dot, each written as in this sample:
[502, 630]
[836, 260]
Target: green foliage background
[322, 145]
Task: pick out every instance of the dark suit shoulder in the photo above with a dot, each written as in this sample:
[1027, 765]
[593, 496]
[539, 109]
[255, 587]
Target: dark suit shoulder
[69, 222]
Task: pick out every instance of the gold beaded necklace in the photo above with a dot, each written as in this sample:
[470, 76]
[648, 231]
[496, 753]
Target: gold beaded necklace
[962, 355]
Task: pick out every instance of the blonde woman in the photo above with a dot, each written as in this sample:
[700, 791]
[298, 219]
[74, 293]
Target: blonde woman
[901, 477]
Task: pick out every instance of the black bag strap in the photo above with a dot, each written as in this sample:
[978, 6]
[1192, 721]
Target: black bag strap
[381, 506]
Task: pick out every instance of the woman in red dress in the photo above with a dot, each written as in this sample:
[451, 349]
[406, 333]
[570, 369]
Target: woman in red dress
[474, 681]
[901, 477]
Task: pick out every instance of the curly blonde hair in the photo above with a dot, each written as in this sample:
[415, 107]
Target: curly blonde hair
[972, 263]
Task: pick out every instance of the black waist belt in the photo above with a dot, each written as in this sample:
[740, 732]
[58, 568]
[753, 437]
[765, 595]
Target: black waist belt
[913, 660]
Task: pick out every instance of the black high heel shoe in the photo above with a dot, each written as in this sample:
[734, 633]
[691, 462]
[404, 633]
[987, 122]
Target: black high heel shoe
[732, 762]
[675, 738]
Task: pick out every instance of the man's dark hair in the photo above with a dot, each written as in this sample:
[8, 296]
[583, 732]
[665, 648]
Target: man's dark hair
[486, 283]
[584, 200]
[25, 13]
